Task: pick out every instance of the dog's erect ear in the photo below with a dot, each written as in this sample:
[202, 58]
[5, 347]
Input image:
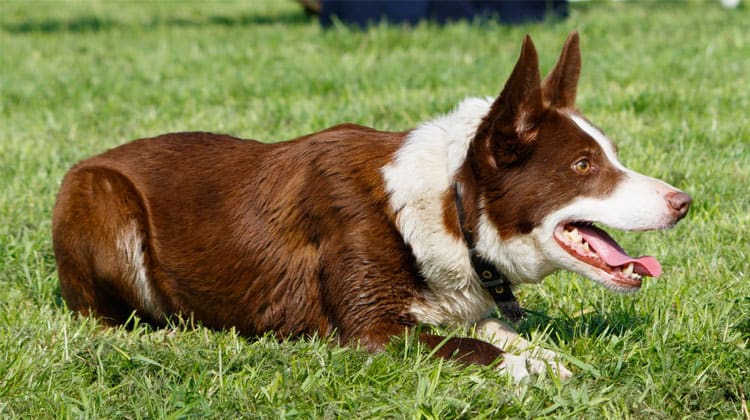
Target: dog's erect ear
[559, 87]
[520, 102]
[515, 113]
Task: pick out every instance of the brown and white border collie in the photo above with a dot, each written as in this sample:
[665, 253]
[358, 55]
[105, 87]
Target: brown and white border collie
[360, 233]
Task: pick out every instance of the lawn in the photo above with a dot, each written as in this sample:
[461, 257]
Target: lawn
[670, 82]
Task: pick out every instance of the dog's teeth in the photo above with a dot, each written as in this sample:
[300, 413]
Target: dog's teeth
[628, 270]
[586, 247]
[575, 235]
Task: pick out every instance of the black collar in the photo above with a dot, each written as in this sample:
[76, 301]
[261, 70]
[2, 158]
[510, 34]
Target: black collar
[492, 279]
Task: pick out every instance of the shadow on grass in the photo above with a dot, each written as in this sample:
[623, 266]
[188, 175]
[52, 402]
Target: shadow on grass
[82, 24]
[96, 24]
[593, 324]
[742, 325]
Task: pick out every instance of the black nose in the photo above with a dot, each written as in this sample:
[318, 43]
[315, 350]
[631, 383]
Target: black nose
[679, 202]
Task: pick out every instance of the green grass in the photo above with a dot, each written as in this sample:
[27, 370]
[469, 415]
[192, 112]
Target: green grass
[669, 82]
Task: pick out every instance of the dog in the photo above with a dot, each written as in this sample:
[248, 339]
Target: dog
[362, 234]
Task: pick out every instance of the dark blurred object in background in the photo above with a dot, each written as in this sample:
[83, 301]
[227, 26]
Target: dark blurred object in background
[364, 12]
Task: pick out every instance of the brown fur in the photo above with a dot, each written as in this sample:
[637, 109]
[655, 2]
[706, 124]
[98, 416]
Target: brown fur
[260, 237]
[296, 237]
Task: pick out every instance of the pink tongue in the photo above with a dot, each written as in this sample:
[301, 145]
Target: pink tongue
[614, 255]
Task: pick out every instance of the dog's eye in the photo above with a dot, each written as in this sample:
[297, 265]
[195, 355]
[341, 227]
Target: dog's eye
[583, 166]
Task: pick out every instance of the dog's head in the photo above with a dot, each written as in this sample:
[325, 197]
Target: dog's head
[545, 177]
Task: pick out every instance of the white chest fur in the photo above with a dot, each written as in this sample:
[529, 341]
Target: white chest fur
[422, 171]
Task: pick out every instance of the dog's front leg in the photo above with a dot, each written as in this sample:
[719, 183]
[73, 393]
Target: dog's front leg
[526, 357]
[463, 349]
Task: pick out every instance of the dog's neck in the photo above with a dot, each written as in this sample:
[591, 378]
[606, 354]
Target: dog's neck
[492, 279]
[417, 181]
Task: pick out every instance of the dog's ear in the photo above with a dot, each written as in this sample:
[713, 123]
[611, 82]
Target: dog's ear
[559, 87]
[513, 117]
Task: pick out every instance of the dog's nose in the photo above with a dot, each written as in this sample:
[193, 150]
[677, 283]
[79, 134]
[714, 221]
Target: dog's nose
[679, 202]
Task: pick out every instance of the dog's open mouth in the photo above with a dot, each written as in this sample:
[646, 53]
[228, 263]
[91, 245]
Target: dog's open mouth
[595, 247]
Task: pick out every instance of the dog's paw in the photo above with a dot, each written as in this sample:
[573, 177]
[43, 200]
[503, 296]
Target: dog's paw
[562, 372]
[514, 366]
[548, 358]
[557, 368]
[522, 357]
[520, 367]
